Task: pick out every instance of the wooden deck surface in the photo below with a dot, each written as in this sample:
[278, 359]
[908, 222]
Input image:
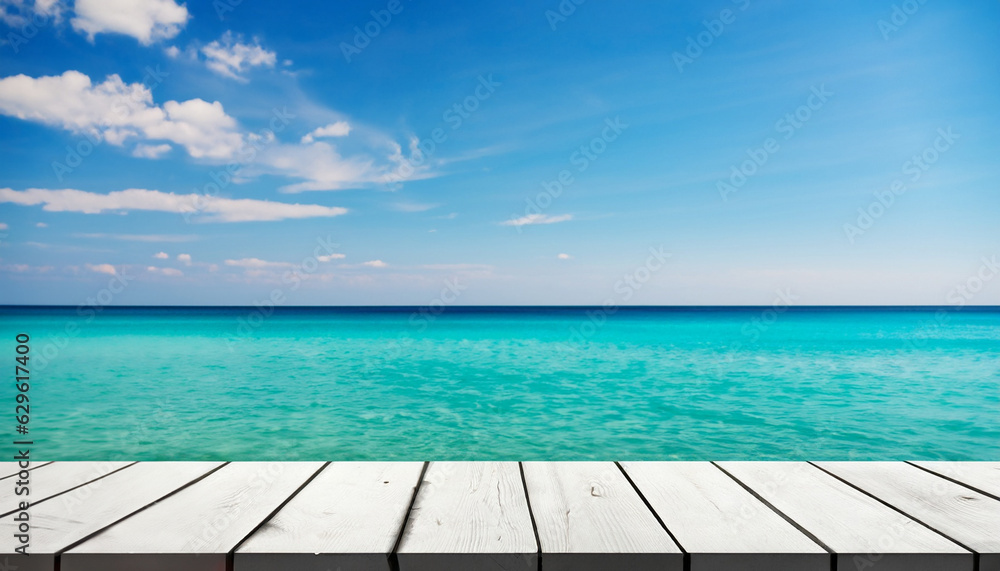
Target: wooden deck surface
[413, 516]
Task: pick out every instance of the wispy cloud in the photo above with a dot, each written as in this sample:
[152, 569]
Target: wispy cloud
[24, 11]
[536, 219]
[413, 206]
[456, 267]
[257, 264]
[375, 264]
[26, 269]
[143, 151]
[65, 248]
[170, 238]
[229, 56]
[172, 272]
[208, 208]
[102, 269]
[320, 166]
[336, 129]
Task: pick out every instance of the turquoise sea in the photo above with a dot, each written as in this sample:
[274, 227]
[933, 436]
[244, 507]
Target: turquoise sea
[510, 383]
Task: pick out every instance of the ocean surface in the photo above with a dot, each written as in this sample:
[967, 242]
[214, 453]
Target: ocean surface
[509, 383]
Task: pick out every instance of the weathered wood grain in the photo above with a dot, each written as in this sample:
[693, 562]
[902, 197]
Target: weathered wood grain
[469, 516]
[859, 529]
[966, 516]
[720, 524]
[63, 521]
[589, 517]
[478, 515]
[348, 518]
[11, 469]
[56, 478]
[196, 528]
[981, 476]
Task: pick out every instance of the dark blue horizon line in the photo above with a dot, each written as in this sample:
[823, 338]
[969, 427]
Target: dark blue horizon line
[508, 308]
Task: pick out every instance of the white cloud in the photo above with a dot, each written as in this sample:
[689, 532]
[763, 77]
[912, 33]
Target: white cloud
[536, 219]
[322, 167]
[20, 13]
[413, 207]
[230, 57]
[41, 225]
[172, 51]
[142, 237]
[49, 7]
[161, 256]
[331, 257]
[3, 226]
[173, 272]
[102, 269]
[116, 111]
[144, 20]
[207, 208]
[150, 151]
[184, 259]
[457, 267]
[564, 257]
[201, 127]
[121, 113]
[257, 264]
[13, 18]
[375, 264]
[338, 129]
[26, 269]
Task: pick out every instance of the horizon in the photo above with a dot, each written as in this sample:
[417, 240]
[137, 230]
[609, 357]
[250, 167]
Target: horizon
[387, 153]
[460, 307]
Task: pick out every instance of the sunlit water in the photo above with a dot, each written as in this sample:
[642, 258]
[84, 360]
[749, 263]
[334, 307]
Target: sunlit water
[526, 384]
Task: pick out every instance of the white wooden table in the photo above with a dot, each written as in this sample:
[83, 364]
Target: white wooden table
[414, 516]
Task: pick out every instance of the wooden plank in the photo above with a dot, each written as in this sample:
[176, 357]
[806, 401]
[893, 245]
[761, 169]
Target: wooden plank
[11, 469]
[966, 516]
[196, 528]
[860, 530]
[589, 517]
[720, 524]
[63, 521]
[348, 518]
[54, 479]
[981, 476]
[469, 515]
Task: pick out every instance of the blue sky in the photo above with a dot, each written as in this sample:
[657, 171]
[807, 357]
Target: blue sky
[709, 152]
